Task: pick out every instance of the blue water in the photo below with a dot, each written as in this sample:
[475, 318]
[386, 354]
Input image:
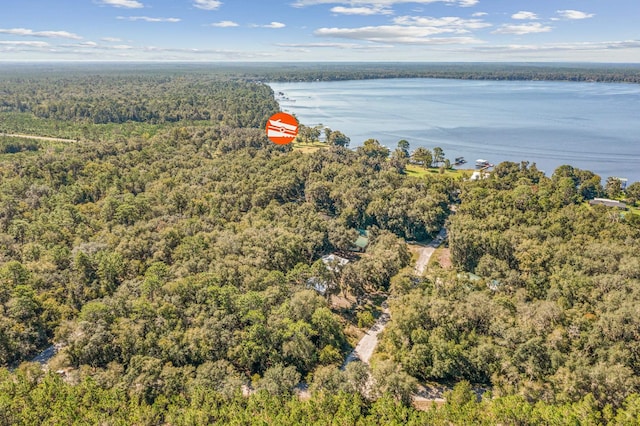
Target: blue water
[593, 126]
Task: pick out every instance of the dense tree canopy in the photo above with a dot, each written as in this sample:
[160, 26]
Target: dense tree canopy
[195, 245]
[140, 97]
[551, 313]
[168, 250]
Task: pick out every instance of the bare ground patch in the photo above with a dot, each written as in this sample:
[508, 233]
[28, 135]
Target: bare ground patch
[342, 302]
[444, 258]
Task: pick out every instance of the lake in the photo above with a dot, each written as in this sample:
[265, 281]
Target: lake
[593, 126]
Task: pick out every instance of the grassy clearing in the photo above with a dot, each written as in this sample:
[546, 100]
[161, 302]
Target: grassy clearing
[631, 209]
[441, 256]
[435, 258]
[28, 124]
[411, 169]
[419, 171]
[308, 147]
[415, 253]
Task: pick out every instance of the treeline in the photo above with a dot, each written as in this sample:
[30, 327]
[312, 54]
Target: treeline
[323, 71]
[142, 98]
[10, 145]
[29, 397]
[551, 312]
[476, 71]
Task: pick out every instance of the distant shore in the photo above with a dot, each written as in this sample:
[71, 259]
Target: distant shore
[339, 71]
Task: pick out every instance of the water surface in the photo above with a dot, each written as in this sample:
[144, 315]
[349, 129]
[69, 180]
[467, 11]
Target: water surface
[594, 126]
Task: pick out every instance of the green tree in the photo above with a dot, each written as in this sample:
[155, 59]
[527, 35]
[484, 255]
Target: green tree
[390, 378]
[308, 134]
[356, 374]
[613, 187]
[404, 145]
[633, 193]
[423, 156]
[279, 380]
[438, 155]
[338, 138]
[399, 160]
[373, 149]
[326, 379]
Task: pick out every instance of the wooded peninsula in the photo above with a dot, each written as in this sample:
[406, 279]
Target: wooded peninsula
[175, 267]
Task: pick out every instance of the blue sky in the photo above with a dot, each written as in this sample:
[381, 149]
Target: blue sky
[321, 30]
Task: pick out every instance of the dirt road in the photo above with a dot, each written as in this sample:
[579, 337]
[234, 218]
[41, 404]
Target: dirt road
[427, 251]
[365, 347]
[40, 138]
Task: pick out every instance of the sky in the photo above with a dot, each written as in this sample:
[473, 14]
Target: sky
[321, 30]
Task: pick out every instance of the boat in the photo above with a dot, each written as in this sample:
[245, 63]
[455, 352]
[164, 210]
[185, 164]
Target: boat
[459, 160]
[481, 164]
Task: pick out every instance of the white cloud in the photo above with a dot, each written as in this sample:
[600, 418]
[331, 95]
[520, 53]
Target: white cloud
[354, 46]
[365, 11]
[47, 34]
[122, 47]
[582, 46]
[273, 25]
[221, 53]
[396, 34]
[574, 14]
[207, 4]
[127, 4]
[479, 14]
[450, 23]
[524, 15]
[57, 34]
[521, 29]
[382, 3]
[412, 30]
[224, 24]
[148, 19]
[25, 43]
[111, 39]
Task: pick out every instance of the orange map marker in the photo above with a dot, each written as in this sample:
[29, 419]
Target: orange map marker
[282, 128]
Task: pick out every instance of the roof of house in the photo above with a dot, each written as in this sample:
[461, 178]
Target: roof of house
[318, 285]
[332, 258]
[363, 239]
[609, 203]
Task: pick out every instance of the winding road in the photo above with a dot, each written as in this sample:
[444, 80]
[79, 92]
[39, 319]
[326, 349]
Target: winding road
[367, 345]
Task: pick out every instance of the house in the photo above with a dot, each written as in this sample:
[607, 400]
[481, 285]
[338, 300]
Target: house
[361, 243]
[318, 285]
[333, 263]
[479, 174]
[609, 203]
[623, 182]
[494, 285]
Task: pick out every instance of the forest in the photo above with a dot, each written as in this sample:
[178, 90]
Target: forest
[621, 73]
[331, 71]
[542, 300]
[166, 249]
